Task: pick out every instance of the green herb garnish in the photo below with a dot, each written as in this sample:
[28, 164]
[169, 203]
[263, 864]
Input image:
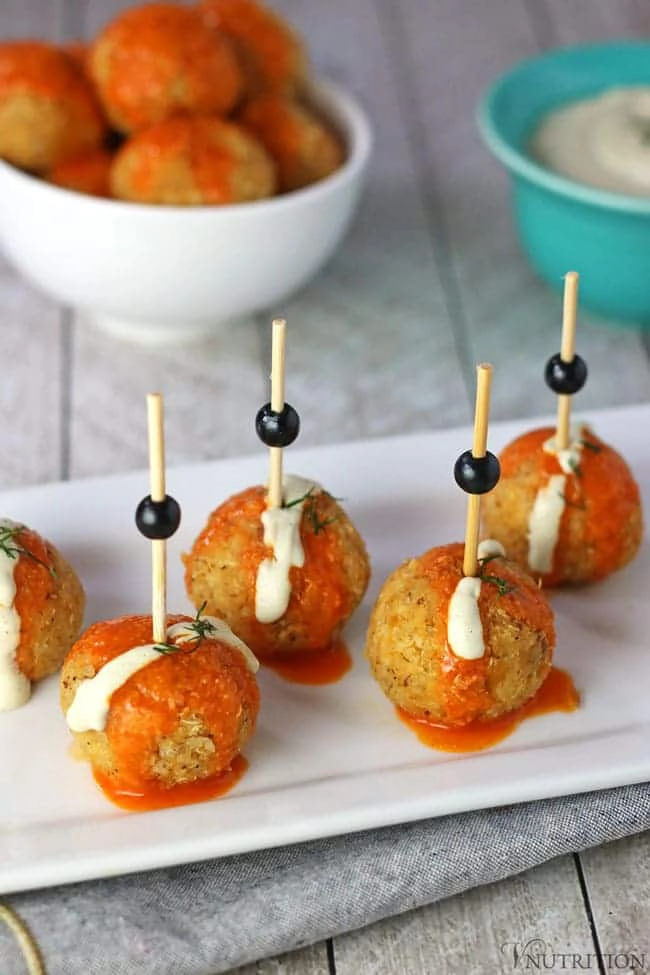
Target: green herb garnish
[575, 467]
[303, 497]
[310, 502]
[202, 629]
[314, 519]
[503, 586]
[13, 549]
[594, 447]
[166, 648]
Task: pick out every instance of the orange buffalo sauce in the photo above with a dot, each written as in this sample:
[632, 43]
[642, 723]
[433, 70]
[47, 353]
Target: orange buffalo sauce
[462, 684]
[320, 600]
[211, 681]
[315, 668]
[158, 60]
[40, 68]
[601, 497]
[34, 587]
[207, 152]
[158, 797]
[268, 49]
[557, 693]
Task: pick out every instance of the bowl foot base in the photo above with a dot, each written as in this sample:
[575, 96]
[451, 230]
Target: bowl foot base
[156, 333]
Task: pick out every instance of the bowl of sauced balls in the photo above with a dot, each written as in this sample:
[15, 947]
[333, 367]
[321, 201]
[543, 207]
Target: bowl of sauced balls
[181, 170]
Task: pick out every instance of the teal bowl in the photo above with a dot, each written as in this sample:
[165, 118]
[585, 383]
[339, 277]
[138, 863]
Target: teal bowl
[562, 224]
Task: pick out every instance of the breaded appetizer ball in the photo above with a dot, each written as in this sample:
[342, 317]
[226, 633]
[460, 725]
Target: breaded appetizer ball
[272, 55]
[305, 150]
[88, 173]
[159, 715]
[570, 516]
[41, 611]
[447, 655]
[158, 60]
[48, 112]
[191, 162]
[286, 580]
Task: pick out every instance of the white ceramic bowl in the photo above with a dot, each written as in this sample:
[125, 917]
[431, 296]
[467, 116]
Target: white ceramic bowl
[158, 274]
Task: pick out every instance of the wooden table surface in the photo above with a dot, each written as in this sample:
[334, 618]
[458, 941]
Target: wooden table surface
[429, 281]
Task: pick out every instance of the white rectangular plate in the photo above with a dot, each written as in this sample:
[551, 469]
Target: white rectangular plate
[324, 760]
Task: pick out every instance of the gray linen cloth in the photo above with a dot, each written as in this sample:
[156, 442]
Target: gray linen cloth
[210, 917]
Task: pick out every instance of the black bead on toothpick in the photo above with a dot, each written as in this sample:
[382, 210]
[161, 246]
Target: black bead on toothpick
[277, 429]
[477, 475]
[477, 470]
[158, 519]
[565, 378]
[566, 372]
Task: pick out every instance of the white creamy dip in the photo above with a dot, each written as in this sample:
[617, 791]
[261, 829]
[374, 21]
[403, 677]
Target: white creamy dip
[602, 141]
[282, 534]
[550, 502]
[464, 626]
[15, 688]
[92, 700]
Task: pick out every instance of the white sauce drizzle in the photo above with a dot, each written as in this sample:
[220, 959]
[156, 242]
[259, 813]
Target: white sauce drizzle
[546, 513]
[569, 457]
[92, 700]
[464, 626]
[544, 524]
[15, 688]
[282, 534]
[601, 141]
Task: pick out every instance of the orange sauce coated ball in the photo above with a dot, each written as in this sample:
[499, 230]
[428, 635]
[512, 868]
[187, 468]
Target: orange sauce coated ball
[221, 570]
[159, 60]
[88, 173]
[598, 522]
[48, 112]
[49, 601]
[304, 148]
[409, 654]
[183, 717]
[272, 55]
[193, 161]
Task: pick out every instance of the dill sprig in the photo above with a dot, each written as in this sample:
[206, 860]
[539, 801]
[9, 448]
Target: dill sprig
[166, 648]
[309, 500]
[301, 499]
[590, 445]
[317, 523]
[503, 586]
[574, 464]
[202, 630]
[13, 549]
[575, 467]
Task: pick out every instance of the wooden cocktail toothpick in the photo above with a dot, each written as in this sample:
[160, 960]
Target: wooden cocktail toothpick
[157, 494]
[477, 471]
[277, 423]
[157, 517]
[567, 353]
[278, 346]
[566, 372]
